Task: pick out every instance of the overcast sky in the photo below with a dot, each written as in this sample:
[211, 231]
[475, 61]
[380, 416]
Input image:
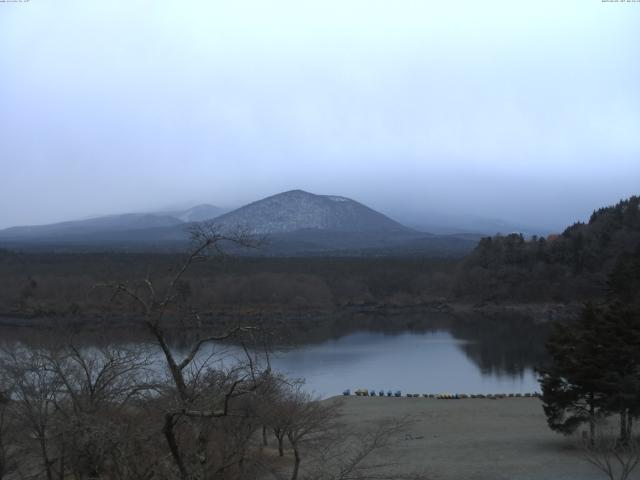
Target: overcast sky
[527, 111]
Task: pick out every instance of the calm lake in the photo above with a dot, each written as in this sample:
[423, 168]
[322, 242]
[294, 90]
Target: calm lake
[429, 362]
[474, 355]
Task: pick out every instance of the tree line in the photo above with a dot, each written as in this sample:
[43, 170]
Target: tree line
[570, 266]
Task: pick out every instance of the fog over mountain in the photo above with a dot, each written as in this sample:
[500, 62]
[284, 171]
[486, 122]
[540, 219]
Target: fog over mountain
[291, 223]
[112, 223]
[197, 213]
[526, 113]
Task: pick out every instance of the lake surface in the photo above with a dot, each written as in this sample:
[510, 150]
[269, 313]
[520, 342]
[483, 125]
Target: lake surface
[473, 355]
[414, 362]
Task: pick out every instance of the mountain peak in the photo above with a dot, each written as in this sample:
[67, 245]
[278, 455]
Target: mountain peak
[295, 191]
[291, 193]
[300, 210]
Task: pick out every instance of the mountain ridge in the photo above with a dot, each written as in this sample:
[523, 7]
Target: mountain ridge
[294, 210]
[114, 223]
[296, 222]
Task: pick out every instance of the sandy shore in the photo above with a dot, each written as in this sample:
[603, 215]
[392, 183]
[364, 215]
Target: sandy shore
[505, 439]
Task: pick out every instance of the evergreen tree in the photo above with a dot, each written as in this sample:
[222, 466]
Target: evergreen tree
[622, 318]
[624, 280]
[570, 385]
[595, 367]
[620, 385]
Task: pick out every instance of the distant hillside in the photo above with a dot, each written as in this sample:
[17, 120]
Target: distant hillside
[299, 210]
[111, 223]
[573, 264]
[461, 224]
[296, 223]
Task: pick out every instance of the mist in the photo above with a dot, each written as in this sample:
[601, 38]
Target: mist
[526, 112]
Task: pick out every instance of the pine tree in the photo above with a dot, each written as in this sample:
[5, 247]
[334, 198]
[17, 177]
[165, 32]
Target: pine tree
[595, 361]
[621, 384]
[570, 385]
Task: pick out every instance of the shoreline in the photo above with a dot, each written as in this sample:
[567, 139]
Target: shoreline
[539, 311]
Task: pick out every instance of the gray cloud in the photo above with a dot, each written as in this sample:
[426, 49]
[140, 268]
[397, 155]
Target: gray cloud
[525, 112]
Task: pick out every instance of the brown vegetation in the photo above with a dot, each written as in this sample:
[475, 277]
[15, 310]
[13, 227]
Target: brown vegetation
[33, 284]
[148, 412]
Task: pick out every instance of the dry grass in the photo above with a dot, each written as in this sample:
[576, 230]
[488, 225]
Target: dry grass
[505, 439]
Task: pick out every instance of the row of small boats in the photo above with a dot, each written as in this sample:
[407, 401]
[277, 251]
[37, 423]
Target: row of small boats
[361, 392]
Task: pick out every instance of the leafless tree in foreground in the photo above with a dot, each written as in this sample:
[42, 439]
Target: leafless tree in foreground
[613, 458]
[98, 389]
[309, 421]
[72, 410]
[321, 446]
[33, 392]
[200, 394]
[8, 458]
[352, 455]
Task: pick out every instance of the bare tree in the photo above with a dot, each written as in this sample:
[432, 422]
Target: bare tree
[34, 390]
[309, 420]
[617, 460]
[97, 377]
[332, 452]
[275, 411]
[198, 398]
[97, 387]
[7, 450]
[70, 408]
[350, 454]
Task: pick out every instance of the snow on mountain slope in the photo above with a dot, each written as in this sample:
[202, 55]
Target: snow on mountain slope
[299, 210]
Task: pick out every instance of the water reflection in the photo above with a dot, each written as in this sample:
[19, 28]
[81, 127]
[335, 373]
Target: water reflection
[500, 347]
[430, 362]
[418, 353]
